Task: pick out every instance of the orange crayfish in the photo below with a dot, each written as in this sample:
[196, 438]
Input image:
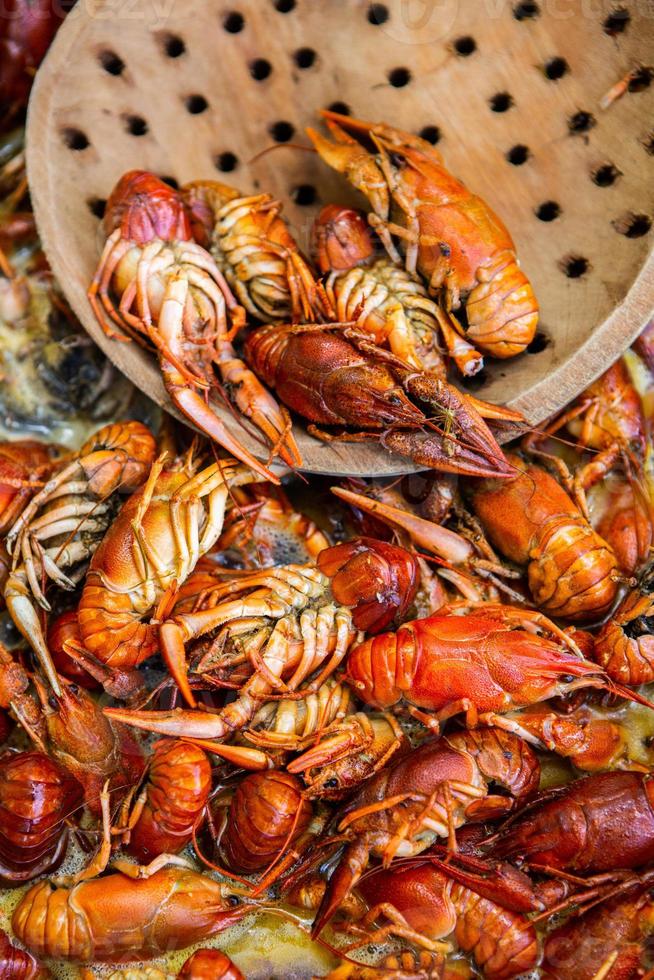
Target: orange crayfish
[449, 235]
[173, 294]
[426, 795]
[572, 571]
[380, 297]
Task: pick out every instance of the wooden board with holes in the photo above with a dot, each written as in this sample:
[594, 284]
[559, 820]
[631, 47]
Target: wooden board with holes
[511, 92]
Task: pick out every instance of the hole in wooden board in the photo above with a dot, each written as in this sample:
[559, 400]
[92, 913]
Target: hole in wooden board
[173, 45]
[378, 14]
[284, 6]
[225, 162]
[648, 142]
[342, 108]
[540, 342]
[233, 22]
[282, 131]
[526, 10]
[136, 125]
[75, 139]
[632, 225]
[548, 211]
[97, 206]
[581, 121]
[556, 68]
[518, 154]
[260, 69]
[304, 57]
[465, 46]
[500, 102]
[399, 77]
[617, 21]
[605, 174]
[474, 383]
[304, 194]
[112, 63]
[574, 266]
[431, 133]
[195, 104]
[641, 79]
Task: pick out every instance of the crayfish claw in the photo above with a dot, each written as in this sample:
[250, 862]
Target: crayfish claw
[347, 872]
[460, 441]
[358, 166]
[381, 133]
[177, 722]
[204, 417]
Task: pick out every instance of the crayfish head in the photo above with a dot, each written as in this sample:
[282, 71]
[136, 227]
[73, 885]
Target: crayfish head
[145, 208]
[378, 580]
[76, 725]
[341, 239]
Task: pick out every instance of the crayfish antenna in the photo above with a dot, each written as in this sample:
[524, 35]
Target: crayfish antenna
[628, 694]
[347, 872]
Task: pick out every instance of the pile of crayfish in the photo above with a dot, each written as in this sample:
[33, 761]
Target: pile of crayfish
[411, 717]
[355, 340]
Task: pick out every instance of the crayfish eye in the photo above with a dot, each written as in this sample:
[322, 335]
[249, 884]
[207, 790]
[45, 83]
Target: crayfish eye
[397, 160]
[567, 678]
[331, 783]
[73, 688]
[52, 701]
[233, 900]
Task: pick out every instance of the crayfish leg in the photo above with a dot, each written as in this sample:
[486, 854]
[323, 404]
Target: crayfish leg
[25, 618]
[349, 869]
[204, 417]
[257, 404]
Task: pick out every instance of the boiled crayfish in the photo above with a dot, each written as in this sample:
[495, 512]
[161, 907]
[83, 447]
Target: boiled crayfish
[339, 378]
[448, 234]
[173, 294]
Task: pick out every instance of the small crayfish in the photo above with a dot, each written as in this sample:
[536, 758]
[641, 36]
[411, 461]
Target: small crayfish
[380, 297]
[572, 571]
[62, 525]
[255, 250]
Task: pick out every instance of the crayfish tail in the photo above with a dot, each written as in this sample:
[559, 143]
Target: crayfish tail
[502, 310]
[347, 872]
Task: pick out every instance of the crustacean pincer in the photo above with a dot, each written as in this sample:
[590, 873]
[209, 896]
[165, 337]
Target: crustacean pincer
[340, 379]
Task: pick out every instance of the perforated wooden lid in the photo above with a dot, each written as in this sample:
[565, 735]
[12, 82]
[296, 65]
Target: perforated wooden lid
[510, 91]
